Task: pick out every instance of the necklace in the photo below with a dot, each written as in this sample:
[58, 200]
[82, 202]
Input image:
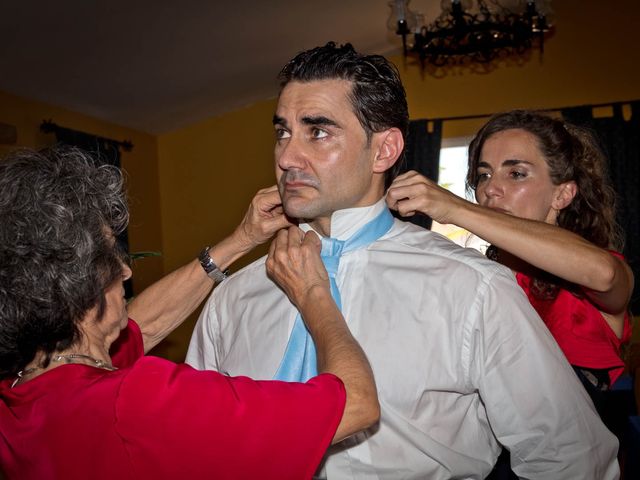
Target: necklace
[68, 358]
[22, 373]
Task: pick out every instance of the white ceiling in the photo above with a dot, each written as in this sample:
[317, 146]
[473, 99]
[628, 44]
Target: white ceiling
[157, 65]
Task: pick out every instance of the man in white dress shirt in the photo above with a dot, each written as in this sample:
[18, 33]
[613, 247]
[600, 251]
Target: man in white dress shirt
[462, 362]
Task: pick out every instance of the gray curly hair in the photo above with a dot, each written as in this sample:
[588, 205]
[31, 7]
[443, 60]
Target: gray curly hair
[60, 211]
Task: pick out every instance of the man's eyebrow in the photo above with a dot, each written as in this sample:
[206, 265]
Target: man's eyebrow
[279, 121]
[319, 120]
[309, 120]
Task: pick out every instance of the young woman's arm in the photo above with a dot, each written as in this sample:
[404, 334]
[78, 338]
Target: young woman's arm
[606, 279]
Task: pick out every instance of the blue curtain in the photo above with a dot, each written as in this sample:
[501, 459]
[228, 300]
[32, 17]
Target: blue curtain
[620, 140]
[106, 151]
[422, 154]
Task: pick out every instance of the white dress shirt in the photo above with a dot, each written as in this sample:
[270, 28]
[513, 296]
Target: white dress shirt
[461, 360]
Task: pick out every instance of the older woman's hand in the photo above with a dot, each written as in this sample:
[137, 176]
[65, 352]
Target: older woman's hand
[264, 217]
[294, 263]
[166, 303]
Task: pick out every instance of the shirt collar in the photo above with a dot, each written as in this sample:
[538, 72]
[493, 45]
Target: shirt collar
[344, 223]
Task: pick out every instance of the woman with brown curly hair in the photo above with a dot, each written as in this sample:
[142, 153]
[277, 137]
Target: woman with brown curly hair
[548, 211]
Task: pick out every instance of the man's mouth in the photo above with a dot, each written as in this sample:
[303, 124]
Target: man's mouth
[293, 182]
[296, 184]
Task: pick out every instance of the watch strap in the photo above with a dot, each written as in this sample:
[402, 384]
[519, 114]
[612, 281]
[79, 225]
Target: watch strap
[209, 266]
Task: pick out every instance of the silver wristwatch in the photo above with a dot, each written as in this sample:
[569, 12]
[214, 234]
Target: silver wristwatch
[210, 267]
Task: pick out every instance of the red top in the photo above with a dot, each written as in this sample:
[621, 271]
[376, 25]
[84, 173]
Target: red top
[581, 331]
[156, 419]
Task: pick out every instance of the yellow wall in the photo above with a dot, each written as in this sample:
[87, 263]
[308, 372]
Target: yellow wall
[206, 173]
[209, 171]
[592, 57]
[141, 165]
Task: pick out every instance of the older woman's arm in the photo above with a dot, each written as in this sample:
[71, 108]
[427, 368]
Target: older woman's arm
[294, 263]
[161, 307]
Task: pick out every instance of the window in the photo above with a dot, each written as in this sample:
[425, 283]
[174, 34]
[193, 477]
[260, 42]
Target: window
[452, 173]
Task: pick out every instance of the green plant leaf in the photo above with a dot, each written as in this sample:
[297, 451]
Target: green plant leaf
[137, 255]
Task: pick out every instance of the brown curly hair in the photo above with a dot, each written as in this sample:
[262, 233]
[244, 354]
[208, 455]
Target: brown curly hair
[572, 154]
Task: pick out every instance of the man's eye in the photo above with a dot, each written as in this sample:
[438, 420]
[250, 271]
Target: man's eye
[282, 133]
[318, 133]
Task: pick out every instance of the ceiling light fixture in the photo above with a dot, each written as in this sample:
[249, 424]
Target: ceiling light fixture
[470, 32]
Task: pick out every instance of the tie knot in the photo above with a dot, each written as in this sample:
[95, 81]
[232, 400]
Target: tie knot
[331, 247]
[330, 253]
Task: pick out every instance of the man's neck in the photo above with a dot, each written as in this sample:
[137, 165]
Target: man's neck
[326, 225]
[322, 225]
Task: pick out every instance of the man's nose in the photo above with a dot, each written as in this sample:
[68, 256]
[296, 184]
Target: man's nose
[292, 155]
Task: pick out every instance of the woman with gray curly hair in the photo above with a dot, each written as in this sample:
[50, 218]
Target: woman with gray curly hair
[78, 398]
[546, 207]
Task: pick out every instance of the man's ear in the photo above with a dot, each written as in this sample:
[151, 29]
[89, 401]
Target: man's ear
[565, 194]
[388, 144]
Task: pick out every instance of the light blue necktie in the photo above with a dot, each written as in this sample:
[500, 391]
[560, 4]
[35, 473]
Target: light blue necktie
[299, 360]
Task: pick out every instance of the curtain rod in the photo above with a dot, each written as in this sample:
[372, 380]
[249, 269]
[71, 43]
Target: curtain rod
[485, 115]
[47, 126]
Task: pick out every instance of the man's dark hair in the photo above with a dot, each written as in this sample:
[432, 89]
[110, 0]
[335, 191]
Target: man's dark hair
[59, 213]
[377, 96]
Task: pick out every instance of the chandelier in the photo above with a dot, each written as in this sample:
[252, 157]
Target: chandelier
[465, 33]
